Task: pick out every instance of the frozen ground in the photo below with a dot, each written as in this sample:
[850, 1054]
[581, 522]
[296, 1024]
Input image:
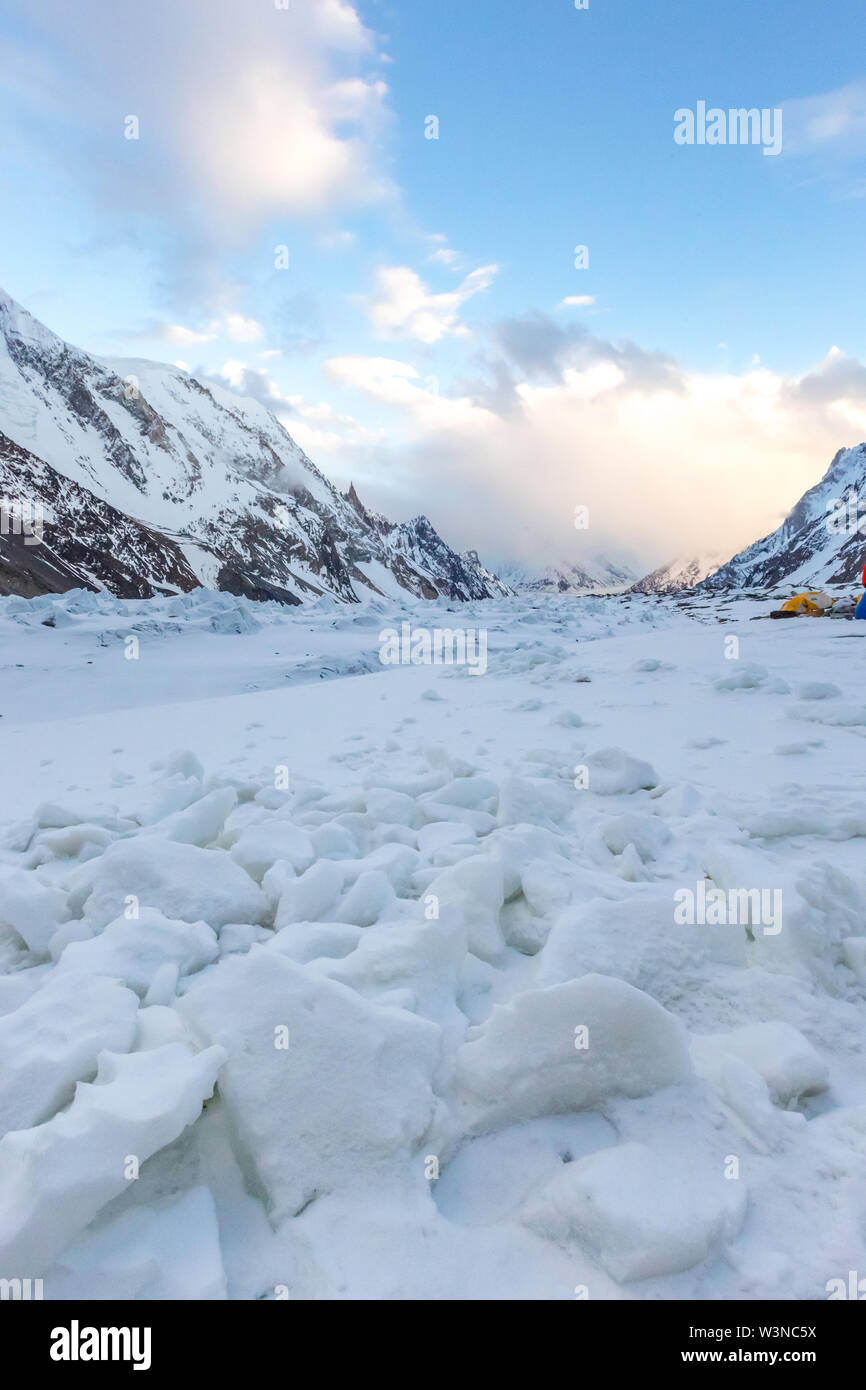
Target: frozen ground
[425, 1024]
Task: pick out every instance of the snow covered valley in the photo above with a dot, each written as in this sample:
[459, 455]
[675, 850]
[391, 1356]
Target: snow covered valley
[328, 979]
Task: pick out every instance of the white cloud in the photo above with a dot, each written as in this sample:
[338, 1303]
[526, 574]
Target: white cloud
[396, 384]
[246, 112]
[406, 308]
[442, 253]
[831, 120]
[315, 425]
[185, 337]
[274, 140]
[668, 465]
[576, 301]
[340, 240]
[235, 373]
[235, 327]
[241, 329]
[668, 462]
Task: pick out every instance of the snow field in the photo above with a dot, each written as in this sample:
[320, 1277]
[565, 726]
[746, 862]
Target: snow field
[423, 1025]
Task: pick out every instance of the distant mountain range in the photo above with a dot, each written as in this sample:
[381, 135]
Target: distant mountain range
[678, 575]
[596, 574]
[148, 481]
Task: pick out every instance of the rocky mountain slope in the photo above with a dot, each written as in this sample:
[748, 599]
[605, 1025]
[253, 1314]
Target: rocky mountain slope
[678, 575]
[148, 481]
[821, 541]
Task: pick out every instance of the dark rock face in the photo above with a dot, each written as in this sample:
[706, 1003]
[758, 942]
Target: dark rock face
[154, 482]
[232, 582]
[84, 542]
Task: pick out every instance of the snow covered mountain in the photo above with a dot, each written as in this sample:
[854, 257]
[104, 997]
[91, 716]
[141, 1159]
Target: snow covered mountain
[147, 481]
[596, 574]
[678, 575]
[821, 541]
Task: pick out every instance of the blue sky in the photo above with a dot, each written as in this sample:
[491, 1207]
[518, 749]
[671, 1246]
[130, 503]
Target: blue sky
[419, 340]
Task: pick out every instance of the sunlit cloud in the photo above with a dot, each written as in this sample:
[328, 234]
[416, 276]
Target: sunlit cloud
[405, 307]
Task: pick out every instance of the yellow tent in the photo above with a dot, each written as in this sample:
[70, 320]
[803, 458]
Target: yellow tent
[814, 604]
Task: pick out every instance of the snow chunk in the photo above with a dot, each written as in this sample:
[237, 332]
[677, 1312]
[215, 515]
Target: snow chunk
[32, 909]
[396, 808]
[54, 1040]
[163, 986]
[15, 990]
[525, 1060]
[260, 846]
[819, 690]
[854, 952]
[310, 898]
[367, 900]
[134, 951]
[779, 1053]
[333, 842]
[306, 941]
[343, 1105]
[158, 1025]
[748, 676]
[473, 891]
[472, 793]
[648, 834]
[612, 770]
[533, 801]
[181, 880]
[56, 1177]
[169, 794]
[567, 719]
[843, 716]
[652, 663]
[442, 833]
[642, 1214]
[184, 763]
[201, 822]
[80, 842]
[490, 1178]
[170, 1250]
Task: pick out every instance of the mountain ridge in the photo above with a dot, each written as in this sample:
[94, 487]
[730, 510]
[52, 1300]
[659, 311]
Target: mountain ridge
[821, 541]
[597, 574]
[816, 544]
[158, 482]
